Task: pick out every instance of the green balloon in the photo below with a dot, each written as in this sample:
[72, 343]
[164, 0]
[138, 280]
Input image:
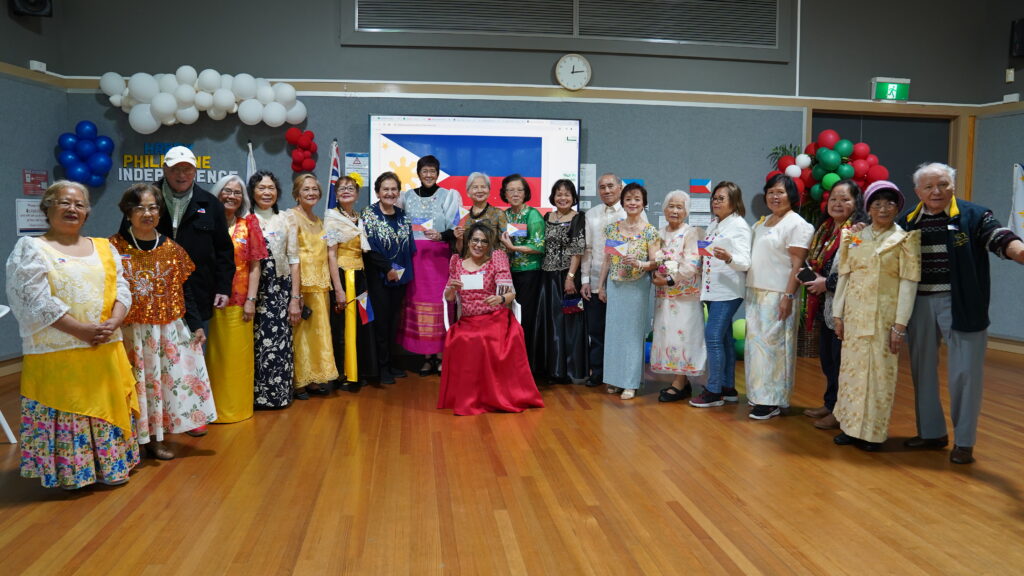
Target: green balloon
[829, 181]
[818, 172]
[832, 160]
[817, 192]
[845, 171]
[821, 153]
[844, 148]
[739, 329]
[739, 345]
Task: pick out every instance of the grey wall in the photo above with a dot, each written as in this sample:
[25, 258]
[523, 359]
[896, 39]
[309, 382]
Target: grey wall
[998, 146]
[953, 51]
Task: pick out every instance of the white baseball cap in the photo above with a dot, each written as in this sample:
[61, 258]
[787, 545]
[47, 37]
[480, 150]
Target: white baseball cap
[179, 154]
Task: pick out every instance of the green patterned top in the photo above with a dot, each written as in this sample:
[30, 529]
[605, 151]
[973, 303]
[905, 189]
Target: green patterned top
[534, 239]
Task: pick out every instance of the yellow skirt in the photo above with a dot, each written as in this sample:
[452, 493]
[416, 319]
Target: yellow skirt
[314, 351]
[229, 359]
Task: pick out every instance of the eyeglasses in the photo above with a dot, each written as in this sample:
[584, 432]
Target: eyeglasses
[229, 192]
[349, 188]
[154, 208]
[478, 241]
[266, 188]
[65, 205]
[719, 199]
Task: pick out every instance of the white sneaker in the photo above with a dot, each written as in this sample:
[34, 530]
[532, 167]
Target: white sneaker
[628, 394]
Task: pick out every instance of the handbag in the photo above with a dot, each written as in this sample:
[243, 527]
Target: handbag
[572, 305]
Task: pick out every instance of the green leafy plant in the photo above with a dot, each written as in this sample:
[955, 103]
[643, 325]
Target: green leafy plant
[782, 150]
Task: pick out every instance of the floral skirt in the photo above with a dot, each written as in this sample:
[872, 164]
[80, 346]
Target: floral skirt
[275, 366]
[71, 450]
[678, 343]
[170, 379]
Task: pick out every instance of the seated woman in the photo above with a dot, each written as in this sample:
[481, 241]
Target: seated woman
[484, 367]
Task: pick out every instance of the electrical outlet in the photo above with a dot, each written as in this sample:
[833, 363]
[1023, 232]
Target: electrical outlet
[1009, 75]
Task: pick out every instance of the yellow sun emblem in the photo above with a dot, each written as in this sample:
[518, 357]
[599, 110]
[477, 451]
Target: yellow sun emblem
[406, 172]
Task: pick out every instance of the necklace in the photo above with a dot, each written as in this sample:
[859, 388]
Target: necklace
[354, 217]
[136, 242]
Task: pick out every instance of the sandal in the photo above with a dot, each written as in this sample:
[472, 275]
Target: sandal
[673, 394]
[428, 366]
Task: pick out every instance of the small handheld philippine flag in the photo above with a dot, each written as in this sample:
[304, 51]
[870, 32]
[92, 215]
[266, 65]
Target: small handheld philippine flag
[515, 230]
[461, 213]
[615, 247]
[399, 269]
[703, 248]
[364, 307]
[422, 224]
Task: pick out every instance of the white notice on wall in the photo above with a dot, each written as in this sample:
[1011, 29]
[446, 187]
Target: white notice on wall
[30, 220]
[358, 162]
[702, 220]
[700, 203]
[588, 179]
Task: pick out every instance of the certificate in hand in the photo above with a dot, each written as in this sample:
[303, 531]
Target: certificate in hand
[472, 281]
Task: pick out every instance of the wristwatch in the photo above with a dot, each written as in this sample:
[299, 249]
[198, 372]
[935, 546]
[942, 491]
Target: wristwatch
[791, 296]
[572, 274]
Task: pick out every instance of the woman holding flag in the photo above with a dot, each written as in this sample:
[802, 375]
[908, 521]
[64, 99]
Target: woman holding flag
[354, 352]
[631, 246]
[434, 212]
[523, 238]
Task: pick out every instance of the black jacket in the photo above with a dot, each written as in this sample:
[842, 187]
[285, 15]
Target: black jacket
[203, 233]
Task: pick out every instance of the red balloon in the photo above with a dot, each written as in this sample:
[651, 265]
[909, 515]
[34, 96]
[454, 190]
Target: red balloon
[772, 174]
[292, 135]
[872, 160]
[828, 138]
[305, 142]
[308, 164]
[860, 151]
[860, 168]
[811, 149]
[297, 156]
[296, 166]
[807, 177]
[824, 206]
[800, 186]
[785, 162]
[310, 134]
[306, 154]
[878, 172]
[312, 147]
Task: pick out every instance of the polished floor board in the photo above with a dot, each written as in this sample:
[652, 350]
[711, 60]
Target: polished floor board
[381, 482]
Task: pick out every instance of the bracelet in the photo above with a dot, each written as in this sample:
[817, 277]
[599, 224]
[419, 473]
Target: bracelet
[299, 297]
[571, 274]
[897, 332]
[790, 296]
[250, 299]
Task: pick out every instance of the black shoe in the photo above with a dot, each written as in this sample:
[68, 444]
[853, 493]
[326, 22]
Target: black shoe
[354, 387]
[341, 385]
[730, 395]
[301, 394]
[428, 367]
[869, 446]
[318, 390]
[396, 372]
[764, 412]
[918, 443]
[844, 440]
[961, 454]
[672, 394]
[387, 378]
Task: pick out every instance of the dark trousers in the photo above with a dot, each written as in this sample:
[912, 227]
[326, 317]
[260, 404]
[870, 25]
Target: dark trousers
[387, 306]
[527, 285]
[596, 310]
[830, 354]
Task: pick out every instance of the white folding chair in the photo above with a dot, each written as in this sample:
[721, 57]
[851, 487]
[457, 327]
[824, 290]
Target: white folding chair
[3, 421]
[517, 311]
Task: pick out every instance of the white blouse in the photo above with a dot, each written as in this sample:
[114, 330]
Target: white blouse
[44, 284]
[275, 230]
[727, 281]
[770, 267]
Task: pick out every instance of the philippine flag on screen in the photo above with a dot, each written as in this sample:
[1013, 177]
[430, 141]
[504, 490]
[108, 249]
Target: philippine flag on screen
[460, 156]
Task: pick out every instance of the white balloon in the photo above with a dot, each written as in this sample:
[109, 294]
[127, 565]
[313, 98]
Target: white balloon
[125, 92]
[216, 114]
[141, 120]
[127, 103]
[223, 99]
[163, 106]
[226, 80]
[112, 83]
[265, 94]
[296, 114]
[250, 112]
[185, 94]
[244, 86]
[168, 83]
[143, 87]
[284, 93]
[186, 75]
[261, 82]
[187, 115]
[116, 99]
[203, 101]
[803, 161]
[274, 114]
[170, 121]
[234, 109]
[793, 171]
[209, 80]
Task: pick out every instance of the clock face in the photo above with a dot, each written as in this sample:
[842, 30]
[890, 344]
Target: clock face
[572, 71]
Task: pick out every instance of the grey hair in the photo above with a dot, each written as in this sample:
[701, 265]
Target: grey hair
[934, 168]
[474, 175]
[678, 195]
[618, 181]
[50, 196]
[244, 208]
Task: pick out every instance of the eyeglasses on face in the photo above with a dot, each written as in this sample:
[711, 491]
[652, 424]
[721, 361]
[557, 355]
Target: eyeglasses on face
[152, 208]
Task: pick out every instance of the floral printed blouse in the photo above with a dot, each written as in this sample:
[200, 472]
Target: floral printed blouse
[636, 246]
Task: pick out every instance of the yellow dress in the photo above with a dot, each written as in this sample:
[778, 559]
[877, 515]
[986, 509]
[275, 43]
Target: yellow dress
[346, 235]
[878, 276]
[314, 351]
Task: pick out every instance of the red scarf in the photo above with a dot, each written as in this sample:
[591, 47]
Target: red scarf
[824, 245]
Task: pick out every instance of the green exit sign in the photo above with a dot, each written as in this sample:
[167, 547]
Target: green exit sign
[890, 89]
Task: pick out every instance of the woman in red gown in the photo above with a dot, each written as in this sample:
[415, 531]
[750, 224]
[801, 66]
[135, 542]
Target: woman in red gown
[484, 368]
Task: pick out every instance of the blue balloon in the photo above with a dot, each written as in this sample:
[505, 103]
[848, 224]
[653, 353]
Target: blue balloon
[67, 158]
[67, 141]
[100, 163]
[85, 149]
[96, 180]
[79, 173]
[86, 130]
[104, 144]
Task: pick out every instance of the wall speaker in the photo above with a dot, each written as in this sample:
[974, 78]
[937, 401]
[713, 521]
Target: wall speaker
[32, 7]
[1017, 38]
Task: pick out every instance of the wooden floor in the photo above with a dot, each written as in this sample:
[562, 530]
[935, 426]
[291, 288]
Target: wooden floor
[382, 483]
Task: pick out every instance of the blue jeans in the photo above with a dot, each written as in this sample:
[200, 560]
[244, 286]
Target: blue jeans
[720, 344]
